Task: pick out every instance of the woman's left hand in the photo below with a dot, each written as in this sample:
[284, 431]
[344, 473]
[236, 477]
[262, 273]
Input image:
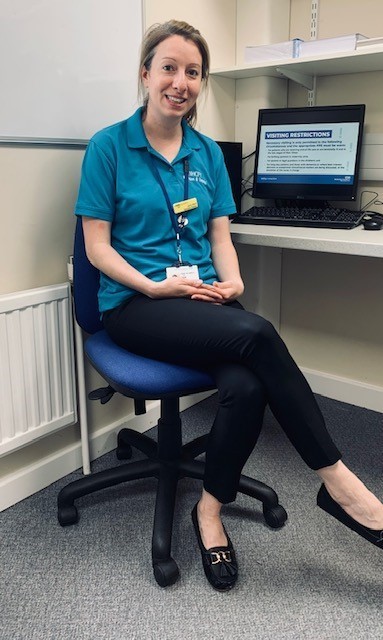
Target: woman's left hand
[229, 290]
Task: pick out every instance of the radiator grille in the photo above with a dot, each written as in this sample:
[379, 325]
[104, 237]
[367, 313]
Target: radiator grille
[37, 383]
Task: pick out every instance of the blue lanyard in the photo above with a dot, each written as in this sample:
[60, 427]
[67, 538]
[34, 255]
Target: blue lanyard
[178, 221]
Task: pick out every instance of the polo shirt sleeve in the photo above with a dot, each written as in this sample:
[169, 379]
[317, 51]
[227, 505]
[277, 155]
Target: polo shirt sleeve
[223, 202]
[97, 191]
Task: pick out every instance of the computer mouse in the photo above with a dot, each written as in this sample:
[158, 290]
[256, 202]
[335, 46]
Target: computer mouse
[373, 224]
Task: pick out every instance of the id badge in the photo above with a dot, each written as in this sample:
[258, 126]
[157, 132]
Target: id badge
[190, 272]
[185, 205]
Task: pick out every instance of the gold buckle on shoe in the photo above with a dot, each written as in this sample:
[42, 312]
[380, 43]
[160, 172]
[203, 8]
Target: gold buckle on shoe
[220, 556]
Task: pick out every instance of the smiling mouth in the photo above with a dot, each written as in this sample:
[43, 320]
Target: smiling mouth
[175, 100]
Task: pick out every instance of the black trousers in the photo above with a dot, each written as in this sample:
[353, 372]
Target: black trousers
[252, 368]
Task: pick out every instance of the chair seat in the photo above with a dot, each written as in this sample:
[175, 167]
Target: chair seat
[136, 376]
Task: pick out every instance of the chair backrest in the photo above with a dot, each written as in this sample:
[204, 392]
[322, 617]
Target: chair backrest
[86, 279]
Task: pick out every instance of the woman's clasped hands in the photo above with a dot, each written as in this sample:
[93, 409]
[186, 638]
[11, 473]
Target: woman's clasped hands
[178, 287]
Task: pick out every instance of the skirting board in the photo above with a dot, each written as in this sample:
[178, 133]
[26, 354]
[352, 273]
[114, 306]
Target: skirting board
[346, 390]
[34, 477]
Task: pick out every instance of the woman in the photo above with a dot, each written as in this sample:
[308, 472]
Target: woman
[155, 199]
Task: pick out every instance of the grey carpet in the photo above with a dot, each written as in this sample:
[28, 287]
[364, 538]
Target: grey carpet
[312, 580]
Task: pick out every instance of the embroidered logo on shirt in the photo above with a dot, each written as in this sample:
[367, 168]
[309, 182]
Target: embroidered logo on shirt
[196, 176]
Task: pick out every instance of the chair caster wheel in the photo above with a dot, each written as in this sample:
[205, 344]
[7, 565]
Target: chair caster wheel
[124, 452]
[275, 516]
[166, 572]
[67, 515]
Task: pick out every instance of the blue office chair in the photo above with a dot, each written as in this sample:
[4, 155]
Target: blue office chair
[167, 460]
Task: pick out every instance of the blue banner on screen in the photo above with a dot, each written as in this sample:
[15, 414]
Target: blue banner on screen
[305, 178]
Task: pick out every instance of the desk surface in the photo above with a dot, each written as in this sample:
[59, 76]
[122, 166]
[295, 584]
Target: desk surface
[358, 241]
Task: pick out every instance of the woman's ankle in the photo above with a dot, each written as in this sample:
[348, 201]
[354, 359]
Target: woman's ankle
[208, 505]
[209, 519]
[333, 473]
[352, 495]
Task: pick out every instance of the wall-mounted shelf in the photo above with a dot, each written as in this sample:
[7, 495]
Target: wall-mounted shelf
[303, 70]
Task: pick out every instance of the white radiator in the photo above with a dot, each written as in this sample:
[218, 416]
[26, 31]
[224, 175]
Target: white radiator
[37, 379]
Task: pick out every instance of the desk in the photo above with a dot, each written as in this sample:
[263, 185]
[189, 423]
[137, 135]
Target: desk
[356, 242]
[265, 296]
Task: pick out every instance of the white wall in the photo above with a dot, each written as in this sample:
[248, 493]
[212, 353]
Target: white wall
[261, 22]
[336, 18]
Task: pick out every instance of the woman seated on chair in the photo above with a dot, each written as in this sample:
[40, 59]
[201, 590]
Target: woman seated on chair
[155, 199]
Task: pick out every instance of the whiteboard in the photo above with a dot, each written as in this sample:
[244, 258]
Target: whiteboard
[67, 67]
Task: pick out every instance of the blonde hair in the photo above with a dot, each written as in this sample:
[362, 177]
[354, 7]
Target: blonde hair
[157, 34]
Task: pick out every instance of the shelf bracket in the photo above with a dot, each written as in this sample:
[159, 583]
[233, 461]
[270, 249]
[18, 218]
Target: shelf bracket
[299, 78]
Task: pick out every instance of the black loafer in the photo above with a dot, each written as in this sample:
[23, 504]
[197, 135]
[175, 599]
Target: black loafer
[328, 504]
[219, 563]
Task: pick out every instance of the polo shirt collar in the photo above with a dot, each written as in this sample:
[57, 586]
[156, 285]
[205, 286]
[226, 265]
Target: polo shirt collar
[137, 138]
[136, 134]
[190, 138]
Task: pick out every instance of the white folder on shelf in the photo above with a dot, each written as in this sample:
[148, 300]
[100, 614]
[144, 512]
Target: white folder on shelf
[330, 45]
[277, 51]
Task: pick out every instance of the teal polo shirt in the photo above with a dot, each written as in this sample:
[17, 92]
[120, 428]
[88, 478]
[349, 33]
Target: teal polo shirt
[119, 185]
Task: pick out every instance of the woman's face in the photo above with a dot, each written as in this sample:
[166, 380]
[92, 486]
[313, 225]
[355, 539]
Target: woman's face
[174, 78]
